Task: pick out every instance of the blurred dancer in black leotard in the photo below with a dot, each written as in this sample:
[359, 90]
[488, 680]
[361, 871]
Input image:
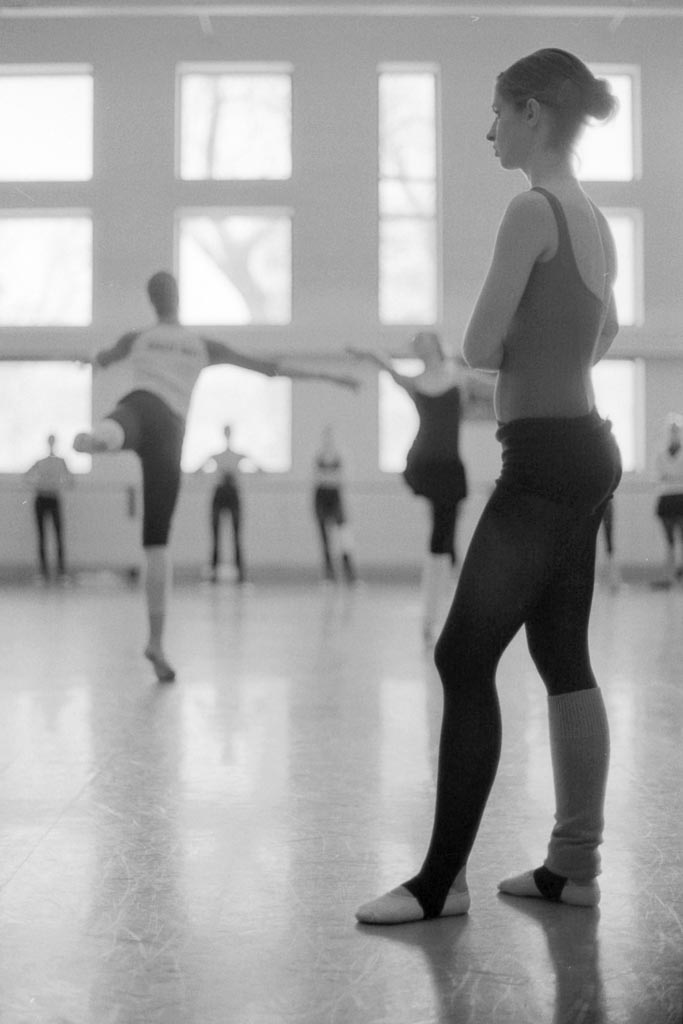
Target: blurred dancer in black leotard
[330, 511]
[669, 508]
[434, 469]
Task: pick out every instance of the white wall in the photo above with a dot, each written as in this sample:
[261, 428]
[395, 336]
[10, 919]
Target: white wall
[333, 193]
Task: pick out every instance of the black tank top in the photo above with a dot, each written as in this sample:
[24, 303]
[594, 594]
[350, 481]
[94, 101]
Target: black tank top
[552, 336]
[438, 436]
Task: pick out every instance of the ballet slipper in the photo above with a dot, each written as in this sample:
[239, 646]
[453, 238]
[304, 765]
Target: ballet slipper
[164, 672]
[575, 894]
[400, 907]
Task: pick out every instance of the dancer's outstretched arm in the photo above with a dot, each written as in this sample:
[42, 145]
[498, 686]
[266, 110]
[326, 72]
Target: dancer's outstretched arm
[121, 349]
[344, 380]
[219, 352]
[383, 362]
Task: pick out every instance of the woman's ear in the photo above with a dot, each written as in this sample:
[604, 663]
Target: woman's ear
[532, 112]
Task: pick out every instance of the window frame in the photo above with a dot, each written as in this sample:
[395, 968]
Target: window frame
[604, 70]
[635, 215]
[415, 68]
[190, 466]
[55, 70]
[410, 366]
[55, 213]
[181, 212]
[78, 463]
[236, 68]
[638, 423]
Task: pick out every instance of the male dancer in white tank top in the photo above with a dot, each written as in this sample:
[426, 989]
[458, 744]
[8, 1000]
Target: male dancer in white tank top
[166, 360]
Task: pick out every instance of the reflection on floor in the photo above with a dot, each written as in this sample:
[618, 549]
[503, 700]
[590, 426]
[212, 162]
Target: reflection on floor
[193, 853]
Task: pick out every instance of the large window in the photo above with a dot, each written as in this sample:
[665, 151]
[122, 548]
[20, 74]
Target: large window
[235, 122]
[398, 420]
[617, 397]
[39, 399]
[46, 123]
[235, 266]
[257, 408]
[45, 268]
[626, 227]
[408, 197]
[611, 151]
[615, 382]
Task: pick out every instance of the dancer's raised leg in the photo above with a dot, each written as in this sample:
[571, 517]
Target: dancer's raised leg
[107, 436]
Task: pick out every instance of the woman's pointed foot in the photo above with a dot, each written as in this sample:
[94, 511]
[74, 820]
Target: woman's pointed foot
[400, 907]
[543, 884]
[164, 672]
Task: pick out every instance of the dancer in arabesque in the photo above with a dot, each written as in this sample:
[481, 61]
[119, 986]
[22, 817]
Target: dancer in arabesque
[544, 317]
[166, 360]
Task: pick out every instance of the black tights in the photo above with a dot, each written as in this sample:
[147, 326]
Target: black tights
[48, 506]
[531, 562]
[444, 519]
[608, 528]
[226, 499]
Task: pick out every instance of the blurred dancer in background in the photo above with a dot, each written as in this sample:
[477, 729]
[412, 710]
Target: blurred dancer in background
[434, 469]
[166, 360]
[669, 508]
[330, 511]
[226, 500]
[48, 477]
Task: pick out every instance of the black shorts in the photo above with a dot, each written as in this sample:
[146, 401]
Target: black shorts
[155, 433]
[442, 481]
[226, 496]
[572, 461]
[329, 506]
[670, 506]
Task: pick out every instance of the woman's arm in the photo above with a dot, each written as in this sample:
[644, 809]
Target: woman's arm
[218, 352]
[118, 351]
[383, 362]
[525, 234]
[296, 373]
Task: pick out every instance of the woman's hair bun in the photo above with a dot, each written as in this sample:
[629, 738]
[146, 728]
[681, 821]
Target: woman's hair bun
[600, 101]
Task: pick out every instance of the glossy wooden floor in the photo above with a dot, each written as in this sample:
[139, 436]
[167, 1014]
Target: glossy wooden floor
[193, 853]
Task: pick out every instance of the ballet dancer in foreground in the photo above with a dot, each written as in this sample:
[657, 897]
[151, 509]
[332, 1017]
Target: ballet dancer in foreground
[544, 317]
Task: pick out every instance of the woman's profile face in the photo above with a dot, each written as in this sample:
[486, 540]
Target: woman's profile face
[506, 131]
